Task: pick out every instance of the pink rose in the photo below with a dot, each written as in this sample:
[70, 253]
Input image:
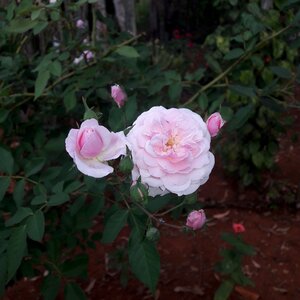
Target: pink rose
[196, 219]
[237, 227]
[88, 54]
[80, 24]
[92, 145]
[170, 151]
[214, 123]
[118, 95]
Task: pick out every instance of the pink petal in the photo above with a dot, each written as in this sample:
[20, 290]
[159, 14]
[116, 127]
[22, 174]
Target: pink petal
[70, 142]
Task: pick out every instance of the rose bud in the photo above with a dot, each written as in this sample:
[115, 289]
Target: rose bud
[80, 24]
[238, 227]
[118, 95]
[196, 219]
[214, 123]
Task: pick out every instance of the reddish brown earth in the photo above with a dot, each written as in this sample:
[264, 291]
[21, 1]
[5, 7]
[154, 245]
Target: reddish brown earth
[187, 260]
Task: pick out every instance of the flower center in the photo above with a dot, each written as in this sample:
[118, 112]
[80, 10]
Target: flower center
[171, 142]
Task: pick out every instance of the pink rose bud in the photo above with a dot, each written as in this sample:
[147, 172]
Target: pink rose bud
[80, 24]
[237, 227]
[196, 219]
[118, 95]
[88, 54]
[214, 123]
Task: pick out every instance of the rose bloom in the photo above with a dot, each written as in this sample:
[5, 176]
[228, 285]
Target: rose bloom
[196, 219]
[214, 123]
[92, 145]
[170, 150]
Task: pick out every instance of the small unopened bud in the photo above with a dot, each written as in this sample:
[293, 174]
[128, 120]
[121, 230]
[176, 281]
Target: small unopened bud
[126, 165]
[153, 234]
[196, 219]
[139, 193]
[118, 95]
[214, 123]
[80, 24]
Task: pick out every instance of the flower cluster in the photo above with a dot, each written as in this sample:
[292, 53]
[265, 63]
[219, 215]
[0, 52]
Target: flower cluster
[169, 148]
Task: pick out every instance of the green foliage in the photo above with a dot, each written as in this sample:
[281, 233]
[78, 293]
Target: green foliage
[230, 268]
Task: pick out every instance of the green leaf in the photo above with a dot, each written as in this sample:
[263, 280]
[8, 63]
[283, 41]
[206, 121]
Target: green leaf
[258, 159]
[234, 53]
[127, 51]
[157, 203]
[34, 166]
[39, 27]
[36, 226]
[3, 268]
[281, 72]
[213, 63]
[240, 117]
[70, 100]
[39, 199]
[74, 292]
[76, 267]
[50, 287]
[41, 83]
[243, 90]
[131, 109]
[3, 114]
[175, 90]
[19, 192]
[235, 241]
[203, 101]
[7, 161]
[36, 13]
[20, 215]
[21, 25]
[58, 199]
[116, 119]
[224, 290]
[15, 250]
[55, 68]
[145, 263]
[272, 104]
[4, 184]
[226, 113]
[114, 225]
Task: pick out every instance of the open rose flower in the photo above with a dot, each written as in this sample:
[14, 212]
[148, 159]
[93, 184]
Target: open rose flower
[196, 219]
[92, 145]
[170, 150]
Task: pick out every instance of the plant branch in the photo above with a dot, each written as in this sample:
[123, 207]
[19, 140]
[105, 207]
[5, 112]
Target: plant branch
[244, 57]
[160, 221]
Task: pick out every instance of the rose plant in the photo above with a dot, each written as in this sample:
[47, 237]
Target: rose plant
[127, 157]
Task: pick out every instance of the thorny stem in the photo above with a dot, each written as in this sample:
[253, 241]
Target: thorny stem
[21, 177]
[70, 74]
[158, 220]
[169, 210]
[112, 49]
[237, 62]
